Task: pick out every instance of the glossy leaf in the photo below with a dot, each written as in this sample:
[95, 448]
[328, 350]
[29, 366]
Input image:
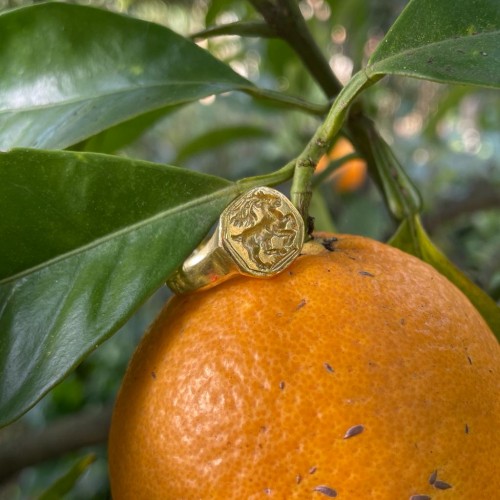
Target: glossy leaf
[220, 137]
[447, 41]
[115, 138]
[412, 238]
[67, 482]
[86, 238]
[69, 72]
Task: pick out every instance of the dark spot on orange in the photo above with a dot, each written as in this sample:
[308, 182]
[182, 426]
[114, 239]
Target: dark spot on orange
[366, 273]
[353, 431]
[441, 485]
[313, 469]
[433, 477]
[420, 497]
[326, 490]
[267, 491]
[328, 367]
[466, 429]
[153, 375]
[470, 360]
[298, 478]
[301, 304]
[282, 384]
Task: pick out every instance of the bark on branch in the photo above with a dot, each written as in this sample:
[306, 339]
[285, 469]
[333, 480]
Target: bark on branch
[62, 436]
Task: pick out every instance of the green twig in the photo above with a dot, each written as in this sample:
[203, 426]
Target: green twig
[302, 167]
[321, 142]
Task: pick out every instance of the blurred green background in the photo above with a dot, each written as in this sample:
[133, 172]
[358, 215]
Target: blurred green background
[447, 137]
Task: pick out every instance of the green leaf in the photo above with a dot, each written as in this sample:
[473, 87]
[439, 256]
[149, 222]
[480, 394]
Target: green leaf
[69, 72]
[115, 138]
[412, 238]
[219, 137]
[86, 238]
[450, 41]
[66, 483]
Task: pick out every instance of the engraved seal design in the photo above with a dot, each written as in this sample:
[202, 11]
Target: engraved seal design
[263, 231]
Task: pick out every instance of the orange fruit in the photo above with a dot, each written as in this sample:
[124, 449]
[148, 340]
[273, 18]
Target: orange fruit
[359, 372]
[351, 175]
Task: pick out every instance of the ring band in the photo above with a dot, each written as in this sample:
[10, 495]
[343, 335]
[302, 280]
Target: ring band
[259, 234]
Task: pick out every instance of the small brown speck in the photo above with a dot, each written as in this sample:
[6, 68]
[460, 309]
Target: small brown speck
[313, 469]
[153, 374]
[301, 304]
[420, 497]
[441, 485]
[326, 490]
[282, 384]
[366, 273]
[470, 360]
[328, 367]
[466, 429]
[298, 478]
[402, 321]
[353, 431]
[267, 491]
[433, 477]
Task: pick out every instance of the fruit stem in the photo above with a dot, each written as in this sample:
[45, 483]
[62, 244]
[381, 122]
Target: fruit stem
[322, 141]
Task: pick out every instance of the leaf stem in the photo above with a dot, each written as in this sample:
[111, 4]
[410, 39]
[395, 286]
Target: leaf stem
[285, 100]
[248, 29]
[273, 179]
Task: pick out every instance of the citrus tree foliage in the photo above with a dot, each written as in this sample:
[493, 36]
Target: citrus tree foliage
[87, 235]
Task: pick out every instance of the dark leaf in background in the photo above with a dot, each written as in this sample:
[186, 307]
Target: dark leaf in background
[220, 137]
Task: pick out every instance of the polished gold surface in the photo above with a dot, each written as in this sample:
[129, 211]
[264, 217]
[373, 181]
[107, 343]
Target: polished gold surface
[259, 234]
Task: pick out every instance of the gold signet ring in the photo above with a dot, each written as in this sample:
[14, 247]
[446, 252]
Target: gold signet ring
[259, 234]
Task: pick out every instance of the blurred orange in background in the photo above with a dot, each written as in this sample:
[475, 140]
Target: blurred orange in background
[351, 175]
